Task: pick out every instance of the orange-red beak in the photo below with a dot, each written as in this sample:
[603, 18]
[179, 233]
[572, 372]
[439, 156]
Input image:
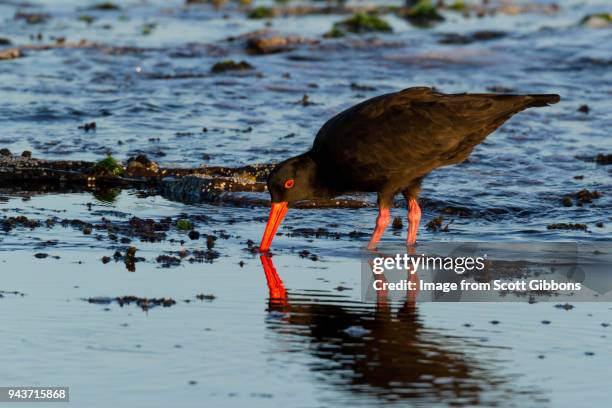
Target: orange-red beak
[277, 213]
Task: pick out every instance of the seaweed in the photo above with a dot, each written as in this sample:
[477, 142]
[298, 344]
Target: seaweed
[335, 32]
[423, 14]
[597, 20]
[108, 167]
[458, 5]
[261, 12]
[184, 225]
[360, 23]
[231, 65]
[86, 19]
[148, 28]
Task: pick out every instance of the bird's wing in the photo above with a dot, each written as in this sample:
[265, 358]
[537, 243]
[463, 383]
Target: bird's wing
[411, 130]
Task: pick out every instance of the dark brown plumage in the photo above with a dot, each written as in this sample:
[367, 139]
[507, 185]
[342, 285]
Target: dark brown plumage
[389, 143]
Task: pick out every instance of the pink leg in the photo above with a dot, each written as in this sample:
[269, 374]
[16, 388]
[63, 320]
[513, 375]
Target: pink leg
[414, 218]
[382, 221]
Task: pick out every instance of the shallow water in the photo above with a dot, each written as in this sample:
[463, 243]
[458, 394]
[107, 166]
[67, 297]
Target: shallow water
[319, 345]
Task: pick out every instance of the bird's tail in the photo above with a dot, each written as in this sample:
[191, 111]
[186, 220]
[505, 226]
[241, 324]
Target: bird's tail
[535, 100]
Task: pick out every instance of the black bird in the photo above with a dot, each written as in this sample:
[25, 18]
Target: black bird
[388, 144]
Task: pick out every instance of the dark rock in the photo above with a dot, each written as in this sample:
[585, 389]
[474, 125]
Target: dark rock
[470, 38]
[143, 303]
[603, 159]
[130, 259]
[204, 256]
[397, 223]
[141, 166]
[584, 109]
[168, 261]
[435, 225]
[585, 196]
[210, 241]
[106, 6]
[230, 65]
[88, 126]
[564, 226]
[565, 306]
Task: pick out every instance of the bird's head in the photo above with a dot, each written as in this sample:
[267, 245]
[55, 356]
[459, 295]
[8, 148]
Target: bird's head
[292, 180]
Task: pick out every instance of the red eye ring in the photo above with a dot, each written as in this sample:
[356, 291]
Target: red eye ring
[289, 183]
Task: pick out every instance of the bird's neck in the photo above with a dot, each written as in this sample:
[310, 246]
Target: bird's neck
[320, 181]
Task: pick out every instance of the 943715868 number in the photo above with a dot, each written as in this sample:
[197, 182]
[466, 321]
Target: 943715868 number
[34, 394]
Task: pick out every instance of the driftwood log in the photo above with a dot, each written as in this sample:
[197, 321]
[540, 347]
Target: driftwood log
[233, 186]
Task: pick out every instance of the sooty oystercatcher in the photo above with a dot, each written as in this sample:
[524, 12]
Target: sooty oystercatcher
[388, 144]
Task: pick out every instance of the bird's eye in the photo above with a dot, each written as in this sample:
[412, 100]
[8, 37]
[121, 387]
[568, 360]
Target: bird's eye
[289, 183]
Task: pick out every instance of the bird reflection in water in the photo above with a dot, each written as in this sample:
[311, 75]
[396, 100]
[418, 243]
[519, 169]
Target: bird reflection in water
[368, 350]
